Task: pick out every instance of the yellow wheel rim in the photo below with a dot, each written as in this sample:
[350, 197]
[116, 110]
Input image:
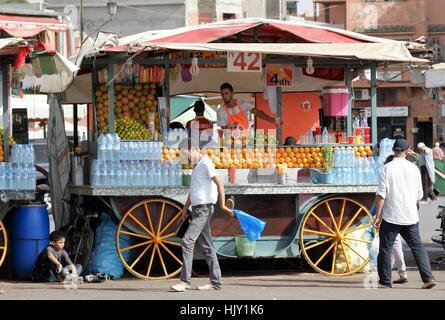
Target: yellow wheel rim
[155, 252]
[329, 240]
[3, 242]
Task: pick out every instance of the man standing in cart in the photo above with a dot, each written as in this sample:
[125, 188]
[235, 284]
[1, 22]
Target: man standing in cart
[233, 114]
[206, 189]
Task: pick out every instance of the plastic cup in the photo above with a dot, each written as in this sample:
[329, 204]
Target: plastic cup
[367, 139]
[367, 131]
[351, 140]
[358, 139]
[358, 131]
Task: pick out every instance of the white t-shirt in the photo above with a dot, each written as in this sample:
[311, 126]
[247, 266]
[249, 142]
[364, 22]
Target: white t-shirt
[202, 188]
[401, 186]
[223, 120]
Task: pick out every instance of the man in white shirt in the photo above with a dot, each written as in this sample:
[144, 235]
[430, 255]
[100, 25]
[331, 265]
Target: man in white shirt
[400, 188]
[205, 190]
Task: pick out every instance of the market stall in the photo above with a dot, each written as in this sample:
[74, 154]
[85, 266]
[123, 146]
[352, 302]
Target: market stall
[319, 192]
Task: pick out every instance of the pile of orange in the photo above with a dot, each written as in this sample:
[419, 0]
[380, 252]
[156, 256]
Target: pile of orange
[363, 151]
[308, 157]
[170, 154]
[131, 101]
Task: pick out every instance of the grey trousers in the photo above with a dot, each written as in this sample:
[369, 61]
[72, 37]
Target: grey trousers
[199, 232]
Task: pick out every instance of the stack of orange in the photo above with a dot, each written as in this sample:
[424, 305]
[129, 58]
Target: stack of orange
[363, 151]
[170, 154]
[1, 153]
[308, 157]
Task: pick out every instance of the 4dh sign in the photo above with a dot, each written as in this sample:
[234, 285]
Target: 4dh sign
[279, 75]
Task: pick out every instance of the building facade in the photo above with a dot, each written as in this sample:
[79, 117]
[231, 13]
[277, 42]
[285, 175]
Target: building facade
[405, 106]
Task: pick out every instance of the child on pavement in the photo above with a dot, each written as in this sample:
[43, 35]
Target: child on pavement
[205, 190]
[53, 263]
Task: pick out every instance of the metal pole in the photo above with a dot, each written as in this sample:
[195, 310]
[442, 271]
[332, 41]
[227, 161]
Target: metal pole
[76, 133]
[5, 113]
[166, 89]
[110, 99]
[279, 114]
[374, 103]
[350, 96]
[81, 22]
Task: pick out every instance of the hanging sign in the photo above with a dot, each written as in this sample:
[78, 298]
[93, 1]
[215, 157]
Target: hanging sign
[279, 75]
[244, 62]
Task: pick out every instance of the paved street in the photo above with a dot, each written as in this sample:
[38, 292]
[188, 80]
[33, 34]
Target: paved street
[255, 285]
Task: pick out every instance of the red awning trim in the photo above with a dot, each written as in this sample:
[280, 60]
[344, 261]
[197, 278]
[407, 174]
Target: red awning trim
[19, 26]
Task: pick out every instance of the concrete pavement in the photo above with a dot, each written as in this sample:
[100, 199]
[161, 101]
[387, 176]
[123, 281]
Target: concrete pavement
[255, 285]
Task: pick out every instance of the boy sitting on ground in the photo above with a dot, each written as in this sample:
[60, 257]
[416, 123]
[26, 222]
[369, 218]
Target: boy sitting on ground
[53, 263]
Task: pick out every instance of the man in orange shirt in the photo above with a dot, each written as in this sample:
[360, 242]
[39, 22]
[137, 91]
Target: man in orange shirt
[233, 114]
[200, 123]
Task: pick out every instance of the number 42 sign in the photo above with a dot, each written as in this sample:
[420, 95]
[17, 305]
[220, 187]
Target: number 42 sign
[244, 62]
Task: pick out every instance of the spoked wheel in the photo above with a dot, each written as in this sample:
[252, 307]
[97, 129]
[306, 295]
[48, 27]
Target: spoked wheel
[146, 240]
[3, 242]
[334, 238]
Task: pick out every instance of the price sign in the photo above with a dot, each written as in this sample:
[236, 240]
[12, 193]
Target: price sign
[279, 75]
[244, 62]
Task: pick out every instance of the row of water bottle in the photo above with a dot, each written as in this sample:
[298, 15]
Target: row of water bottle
[17, 176]
[140, 150]
[343, 157]
[22, 153]
[360, 171]
[109, 147]
[386, 145]
[173, 136]
[136, 173]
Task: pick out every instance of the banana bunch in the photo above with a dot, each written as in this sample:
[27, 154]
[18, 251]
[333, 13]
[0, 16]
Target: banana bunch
[328, 158]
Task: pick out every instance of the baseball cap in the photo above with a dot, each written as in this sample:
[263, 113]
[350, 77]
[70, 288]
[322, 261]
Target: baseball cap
[420, 145]
[401, 145]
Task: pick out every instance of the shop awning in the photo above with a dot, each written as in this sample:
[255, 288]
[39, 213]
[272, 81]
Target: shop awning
[21, 26]
[395, 51]
[251, 30]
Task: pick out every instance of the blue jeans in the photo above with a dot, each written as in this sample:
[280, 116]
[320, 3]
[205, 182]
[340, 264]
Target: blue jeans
[53, 272]
[388, 234]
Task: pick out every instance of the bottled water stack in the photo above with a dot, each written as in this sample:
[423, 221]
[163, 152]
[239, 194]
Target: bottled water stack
[19, 174]
[132, 163]
[136, 173]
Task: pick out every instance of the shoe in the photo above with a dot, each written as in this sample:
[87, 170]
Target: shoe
[180, 287]
[401, 281]
[428, 284]
[208, 287]
[383, 285]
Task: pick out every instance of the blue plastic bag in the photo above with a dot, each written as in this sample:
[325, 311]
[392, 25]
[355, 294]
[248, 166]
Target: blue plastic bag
[104, 257]
[251, 226]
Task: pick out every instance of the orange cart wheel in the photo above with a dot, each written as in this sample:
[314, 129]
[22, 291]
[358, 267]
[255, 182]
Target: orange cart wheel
[333, 236]
[3, 242]
[153, 252]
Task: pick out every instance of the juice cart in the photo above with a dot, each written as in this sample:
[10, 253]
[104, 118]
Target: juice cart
[318, 214]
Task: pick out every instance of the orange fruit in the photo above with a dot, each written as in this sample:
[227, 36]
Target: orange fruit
[357, 154]
[361, 148]
[367, 148]
[306, 150]
[369, 153]
[363, 154]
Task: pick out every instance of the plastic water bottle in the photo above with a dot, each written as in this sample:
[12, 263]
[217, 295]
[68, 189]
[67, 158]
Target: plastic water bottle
[178, 174]
[325, 136]
[101, 147]
[116, 147]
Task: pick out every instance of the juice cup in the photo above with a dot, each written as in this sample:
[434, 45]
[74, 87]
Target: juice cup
[358, 131]
[366, 131]
[358, 139]
[351, 140]
[367, 139]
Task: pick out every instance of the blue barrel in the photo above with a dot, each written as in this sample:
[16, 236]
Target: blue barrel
[29, 236]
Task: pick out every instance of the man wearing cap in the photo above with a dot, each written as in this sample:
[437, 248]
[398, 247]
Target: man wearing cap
[400, 188]
[427, 171]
